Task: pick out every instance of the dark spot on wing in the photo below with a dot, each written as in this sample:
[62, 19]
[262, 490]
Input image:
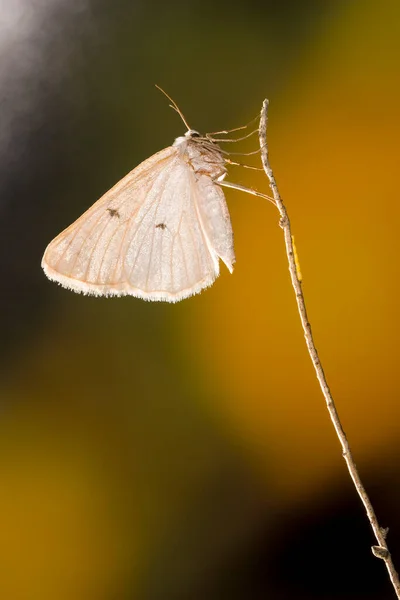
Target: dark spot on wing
[113, 212]
[161, 226]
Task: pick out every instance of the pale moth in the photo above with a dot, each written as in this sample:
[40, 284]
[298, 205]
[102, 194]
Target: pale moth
[158, 234]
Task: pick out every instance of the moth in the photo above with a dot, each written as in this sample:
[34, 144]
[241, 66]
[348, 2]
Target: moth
[158, 234]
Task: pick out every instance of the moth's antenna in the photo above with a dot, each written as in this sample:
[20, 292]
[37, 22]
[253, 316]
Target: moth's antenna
[174, 106]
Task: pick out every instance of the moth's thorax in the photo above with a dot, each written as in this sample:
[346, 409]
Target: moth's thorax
[204, 156]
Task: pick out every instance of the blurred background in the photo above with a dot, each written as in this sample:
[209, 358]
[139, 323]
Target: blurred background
[184, 452]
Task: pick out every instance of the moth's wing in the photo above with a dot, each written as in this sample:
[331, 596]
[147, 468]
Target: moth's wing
[147, 237]
[85, 257]
[215, 218]
[170, 255]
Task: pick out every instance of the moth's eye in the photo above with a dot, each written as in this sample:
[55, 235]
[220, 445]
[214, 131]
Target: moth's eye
[194, 134]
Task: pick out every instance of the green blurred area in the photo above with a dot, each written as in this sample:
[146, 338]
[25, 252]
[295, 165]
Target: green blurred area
[181, 452]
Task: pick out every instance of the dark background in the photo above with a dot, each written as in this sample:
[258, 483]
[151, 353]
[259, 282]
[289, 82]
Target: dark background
[183, 452]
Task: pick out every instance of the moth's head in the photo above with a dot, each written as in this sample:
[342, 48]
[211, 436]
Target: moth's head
[192, 133]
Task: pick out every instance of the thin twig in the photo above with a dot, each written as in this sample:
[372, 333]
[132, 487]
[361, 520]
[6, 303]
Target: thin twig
[382, 550]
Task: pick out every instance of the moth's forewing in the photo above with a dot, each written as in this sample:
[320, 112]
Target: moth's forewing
[157, 234]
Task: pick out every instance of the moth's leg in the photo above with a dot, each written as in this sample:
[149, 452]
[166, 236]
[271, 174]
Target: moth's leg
[242, 188]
